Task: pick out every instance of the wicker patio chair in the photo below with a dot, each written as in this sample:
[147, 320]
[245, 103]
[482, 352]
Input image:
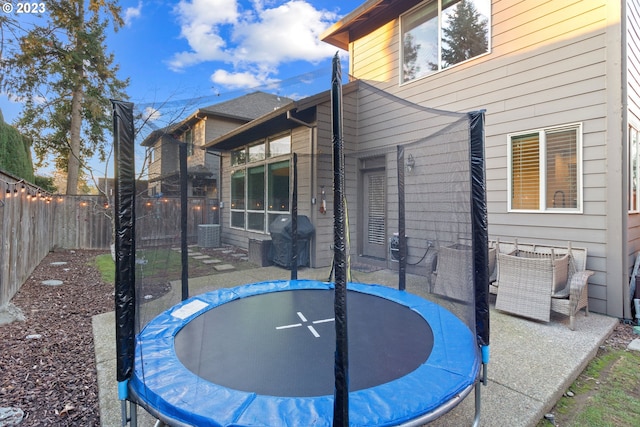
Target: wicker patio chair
[450, 280]
[526, 281]
[574, 296]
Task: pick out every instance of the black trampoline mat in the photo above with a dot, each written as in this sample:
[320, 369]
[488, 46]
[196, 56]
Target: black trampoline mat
[283, 343]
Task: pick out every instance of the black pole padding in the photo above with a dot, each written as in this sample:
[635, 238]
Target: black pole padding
[124, 223]
[479, 226]
[402, 238]
[341, 365]
[184, 209]
[294, 221]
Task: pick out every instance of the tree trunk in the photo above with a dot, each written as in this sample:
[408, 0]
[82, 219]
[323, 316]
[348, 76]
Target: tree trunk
[75, 143]
[73, 166]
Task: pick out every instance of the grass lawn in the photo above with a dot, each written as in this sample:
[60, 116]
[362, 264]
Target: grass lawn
[606, 394]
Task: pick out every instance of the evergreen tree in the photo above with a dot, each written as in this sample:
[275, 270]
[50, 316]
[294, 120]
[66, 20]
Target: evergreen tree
[410, 67]
[15, 154]
[65, 77]
[465, 36]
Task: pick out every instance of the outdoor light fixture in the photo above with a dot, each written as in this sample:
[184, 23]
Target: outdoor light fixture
[411, 163]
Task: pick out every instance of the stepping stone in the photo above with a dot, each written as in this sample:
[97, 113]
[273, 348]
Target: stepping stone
[176, 249]
[11, 416]
[224, 267]
[52, 282]
[201, 257]
[195, 253]
[238, 255]
[56, 263]
[634, 345]
[211, 261]
[227, 252]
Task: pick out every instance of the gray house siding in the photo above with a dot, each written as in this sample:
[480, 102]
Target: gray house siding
[550, 64]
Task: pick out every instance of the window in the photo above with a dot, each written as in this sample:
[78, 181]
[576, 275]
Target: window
[260, 177]
[545, 170]
[237, 199]
[441, 33]
[278, 191]
[188, 139]
[256, 152]
[280, 146]
[634, 173]
[238, 157]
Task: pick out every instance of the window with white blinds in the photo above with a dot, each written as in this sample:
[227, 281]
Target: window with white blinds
[545, 170]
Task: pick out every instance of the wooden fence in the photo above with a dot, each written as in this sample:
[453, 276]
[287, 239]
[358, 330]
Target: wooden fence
[26, 224]
[33, 224]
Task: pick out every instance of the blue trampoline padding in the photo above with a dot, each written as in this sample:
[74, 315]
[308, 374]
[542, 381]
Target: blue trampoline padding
[165, 386]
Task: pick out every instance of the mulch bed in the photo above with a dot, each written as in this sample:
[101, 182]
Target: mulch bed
[47, 362]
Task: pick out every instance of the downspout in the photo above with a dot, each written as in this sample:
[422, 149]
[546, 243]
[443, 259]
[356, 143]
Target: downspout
[626, 297]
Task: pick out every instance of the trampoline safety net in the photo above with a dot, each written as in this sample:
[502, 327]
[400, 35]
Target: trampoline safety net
[416, 235]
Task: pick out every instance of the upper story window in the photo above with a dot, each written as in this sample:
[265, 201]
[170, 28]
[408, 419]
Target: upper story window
[441, 33]
[279, 146]
[545, 170]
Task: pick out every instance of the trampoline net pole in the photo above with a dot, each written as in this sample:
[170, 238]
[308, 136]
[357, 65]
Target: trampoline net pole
[124, 203]
[402, 237]
[341, 368]
[294, 221]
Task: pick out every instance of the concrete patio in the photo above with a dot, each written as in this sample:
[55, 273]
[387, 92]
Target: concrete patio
[532, 364]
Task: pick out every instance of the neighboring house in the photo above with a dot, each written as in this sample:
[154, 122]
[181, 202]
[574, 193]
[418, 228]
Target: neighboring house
[106, 187]
[201, 126]
[560, 84]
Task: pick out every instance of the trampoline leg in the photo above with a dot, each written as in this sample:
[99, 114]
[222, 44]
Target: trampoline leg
[483, 381]
[133, 410]
[128, 418]
[124, 418]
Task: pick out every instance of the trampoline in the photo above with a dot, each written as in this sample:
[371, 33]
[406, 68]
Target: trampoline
[262, 354]
[282, 353]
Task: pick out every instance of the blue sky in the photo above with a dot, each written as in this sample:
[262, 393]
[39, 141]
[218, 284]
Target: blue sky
[192, 53]
[194, 49]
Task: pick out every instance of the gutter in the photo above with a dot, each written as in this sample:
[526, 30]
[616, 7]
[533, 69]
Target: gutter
[297, 120]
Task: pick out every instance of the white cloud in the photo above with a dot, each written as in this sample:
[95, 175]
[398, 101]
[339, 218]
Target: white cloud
[132, 13]
[235, 80]
[255, 41]
[151, 114]
[289, 32]
[201, 23]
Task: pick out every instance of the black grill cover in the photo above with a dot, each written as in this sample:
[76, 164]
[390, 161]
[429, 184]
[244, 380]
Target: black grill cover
[281, 236]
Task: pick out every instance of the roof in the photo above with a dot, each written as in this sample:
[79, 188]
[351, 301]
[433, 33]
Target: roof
[284, 118]
[244, 108]
[247, 107]
[365, 18]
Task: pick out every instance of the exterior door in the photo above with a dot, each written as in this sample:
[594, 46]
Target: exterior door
[374, 212]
